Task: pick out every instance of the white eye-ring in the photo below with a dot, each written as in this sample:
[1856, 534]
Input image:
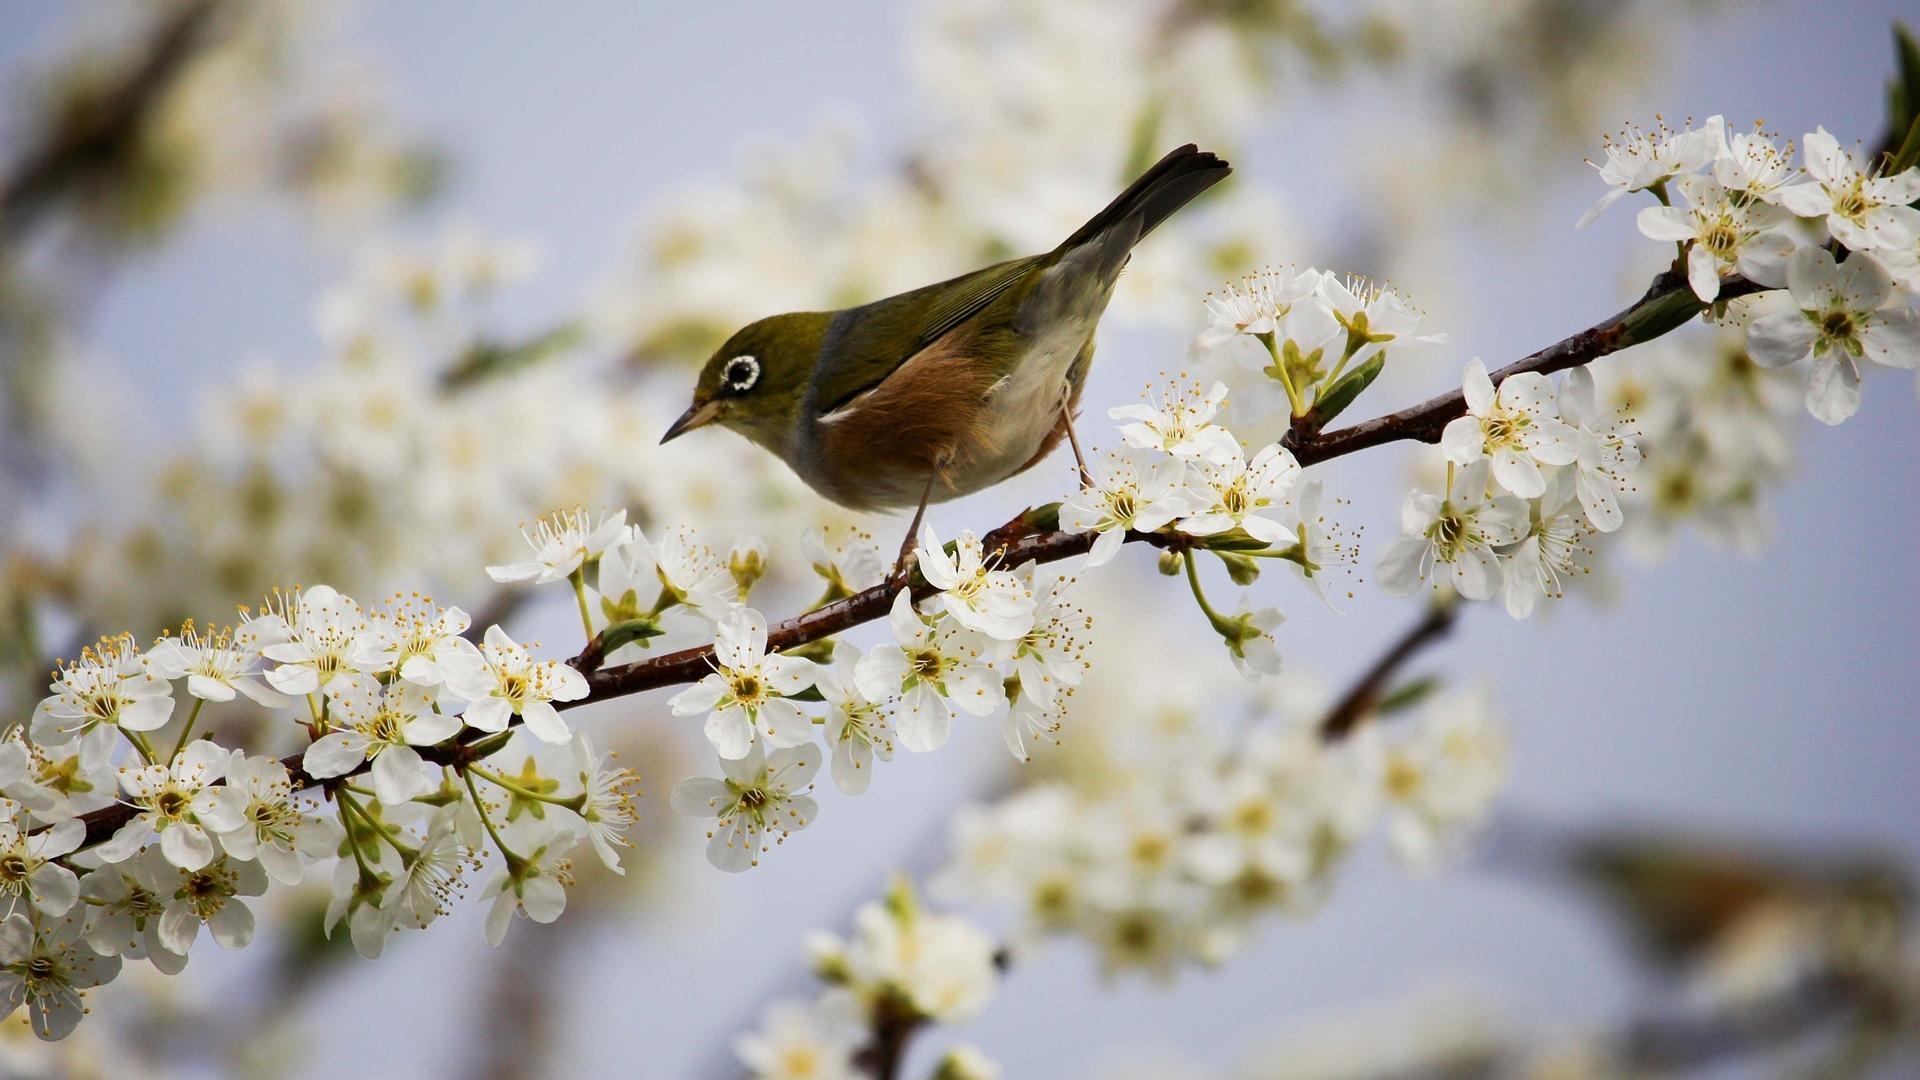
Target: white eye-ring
[741, 373]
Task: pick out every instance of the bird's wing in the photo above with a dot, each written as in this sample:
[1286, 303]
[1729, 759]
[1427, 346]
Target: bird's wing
[874, 341]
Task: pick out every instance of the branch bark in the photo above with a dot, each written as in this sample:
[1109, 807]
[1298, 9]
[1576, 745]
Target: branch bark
[1667, 304]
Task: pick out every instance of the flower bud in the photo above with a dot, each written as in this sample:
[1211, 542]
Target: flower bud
[1170, 563]
[1243, 569]
[747, 562]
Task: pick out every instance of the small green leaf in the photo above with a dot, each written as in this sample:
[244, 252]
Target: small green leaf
[1407, 695]
[1233, 540]
[627, 632]
[1044, 518]
[1348, 387]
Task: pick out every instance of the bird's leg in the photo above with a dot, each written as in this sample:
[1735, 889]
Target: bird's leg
[1073, 440]
[903, 566]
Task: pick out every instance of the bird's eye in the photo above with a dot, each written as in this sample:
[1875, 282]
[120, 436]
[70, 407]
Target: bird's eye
[741, 373]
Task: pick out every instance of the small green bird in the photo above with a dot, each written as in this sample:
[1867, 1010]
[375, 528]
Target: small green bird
[948, 389]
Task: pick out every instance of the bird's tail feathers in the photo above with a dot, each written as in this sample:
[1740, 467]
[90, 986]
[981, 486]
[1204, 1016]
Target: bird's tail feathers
[1170, 184]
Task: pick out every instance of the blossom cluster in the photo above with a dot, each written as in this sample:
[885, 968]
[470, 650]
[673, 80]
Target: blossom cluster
[1532, 470]
[379, 696]
[988, 642]
[903, 966]
[1835, 240]
[1178, 862]
[1182, 475]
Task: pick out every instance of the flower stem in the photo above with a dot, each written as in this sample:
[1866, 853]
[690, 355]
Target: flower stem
[486, 819]
[1220, 622]
[579, 580]
[1280, 371]
[186, 733]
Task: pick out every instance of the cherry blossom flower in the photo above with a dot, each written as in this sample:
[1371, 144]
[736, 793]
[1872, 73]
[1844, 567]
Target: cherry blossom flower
[1638, 160]
[534, 885]
[215, 668]
[745, 698]
[1516, 426]
[255, 817]
[210, 896]
[1863, 211]
[1722, 234]
[804, 1041]
[384, 727]
[850, 561]
[170, 800]
[321, 630]
[1753, 164]
[858, 729]
[757, 795]
[1545, 554]
[562, 543]
[127, 901]
[1843, 317]
[932, 670]
[505, 681]
[415, 640]
[607, 796]
[112, 685]
[29, 876]
[1609, 450]
[1183, 426]
[1231, 495]
[1131, 491]
[1373, 316]
[973, 589]
[47, 971]
[1459, 532]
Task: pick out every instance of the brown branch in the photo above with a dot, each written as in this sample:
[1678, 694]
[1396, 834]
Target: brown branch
[1668, 303]
[100, 135]
[1359, 701]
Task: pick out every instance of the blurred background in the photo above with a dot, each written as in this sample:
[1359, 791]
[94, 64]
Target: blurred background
[295, 292]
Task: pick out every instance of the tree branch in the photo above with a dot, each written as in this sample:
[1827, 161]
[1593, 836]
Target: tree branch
[1667, 304]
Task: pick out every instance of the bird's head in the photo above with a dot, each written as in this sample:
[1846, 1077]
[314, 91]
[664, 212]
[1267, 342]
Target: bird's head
[755, 383]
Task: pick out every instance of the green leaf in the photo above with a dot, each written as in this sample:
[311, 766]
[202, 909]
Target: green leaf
[1044, 518]
[623, 633]
[1903, 91]
[1349, 386]
[1407, 695]
[1233, 540]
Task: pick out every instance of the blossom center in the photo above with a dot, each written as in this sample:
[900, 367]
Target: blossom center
[13, 869]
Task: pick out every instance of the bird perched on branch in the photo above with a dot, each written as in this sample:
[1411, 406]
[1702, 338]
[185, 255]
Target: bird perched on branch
[944, 390]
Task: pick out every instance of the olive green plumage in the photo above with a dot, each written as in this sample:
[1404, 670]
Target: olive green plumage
[946, 389]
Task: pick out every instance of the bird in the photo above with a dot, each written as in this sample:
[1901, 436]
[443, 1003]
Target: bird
[944, 390]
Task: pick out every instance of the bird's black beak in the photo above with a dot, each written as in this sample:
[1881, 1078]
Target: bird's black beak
[699, 414]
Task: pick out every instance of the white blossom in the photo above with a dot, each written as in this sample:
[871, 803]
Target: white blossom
[1863, 211]
[215, 667]
[757, 795]
[1458, 531]
[1131, 491]
[858, 728]
[505, 681]
[1638, 160]
[1233, 494]
[1516, 426]
[112, 685]
[804, 1041]
[932, 670]
[1182, 426]
[321, 628]
[562, 543]
[1723, 234]
[974, 590]
[384, 727]
[1842, 317]
[169, 800]
[745, 698]
[46, 971]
